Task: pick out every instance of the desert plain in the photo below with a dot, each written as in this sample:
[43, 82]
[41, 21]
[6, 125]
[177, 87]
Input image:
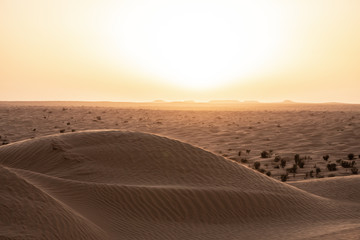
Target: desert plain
[180, 170]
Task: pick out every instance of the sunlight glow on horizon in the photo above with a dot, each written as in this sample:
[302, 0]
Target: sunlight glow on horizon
[198, 44]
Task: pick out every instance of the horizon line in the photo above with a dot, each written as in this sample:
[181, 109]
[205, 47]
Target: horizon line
[188, 101]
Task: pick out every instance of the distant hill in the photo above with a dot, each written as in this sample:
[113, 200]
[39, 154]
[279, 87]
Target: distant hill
[224, 101]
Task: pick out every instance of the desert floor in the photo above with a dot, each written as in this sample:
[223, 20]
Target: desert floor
[81, 170]
[310, 130]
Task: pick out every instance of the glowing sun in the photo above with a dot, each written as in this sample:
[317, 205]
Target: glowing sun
[197, 44]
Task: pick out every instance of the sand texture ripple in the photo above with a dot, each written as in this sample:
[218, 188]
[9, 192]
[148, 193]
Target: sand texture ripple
[131, 185]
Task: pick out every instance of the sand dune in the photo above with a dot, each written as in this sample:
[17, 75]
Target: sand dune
[341, 188]
[131, 185]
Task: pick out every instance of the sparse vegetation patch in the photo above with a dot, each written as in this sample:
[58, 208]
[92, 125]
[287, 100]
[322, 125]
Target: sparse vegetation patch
[284, 177]
[265, 154]
[331, 166]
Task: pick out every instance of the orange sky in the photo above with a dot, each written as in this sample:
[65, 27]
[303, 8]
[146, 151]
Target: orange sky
[200, 50]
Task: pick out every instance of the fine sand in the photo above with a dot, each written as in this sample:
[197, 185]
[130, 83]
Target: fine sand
[128, 184]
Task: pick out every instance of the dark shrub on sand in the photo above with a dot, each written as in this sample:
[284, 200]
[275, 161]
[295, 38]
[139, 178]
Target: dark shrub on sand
[277, 158]
[346, 164]
[265, 154]
[284, 177]
[283, 163]
[331, 166]
[301, 164]
[293, 169]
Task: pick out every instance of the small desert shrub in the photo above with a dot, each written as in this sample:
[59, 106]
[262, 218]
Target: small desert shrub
[277, 158]
[62, 130]
[257, 165]
[346, 164]
[268, 173]
[331, 166]
[284, 177]
[354, 170]
[262, 170]
[244, 160]
[318, 170]
[326, 157]
[299, 161]
[301, 164]
[311, 173]
[239, 153]
[338, 161]
[265, 154]
[277, 166]
[293, 169]
[351, 156]
[331, 175]
[98, 118]
[283, 163]
[248, 151]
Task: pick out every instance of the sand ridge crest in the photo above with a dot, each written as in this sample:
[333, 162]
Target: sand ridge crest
[131, 185]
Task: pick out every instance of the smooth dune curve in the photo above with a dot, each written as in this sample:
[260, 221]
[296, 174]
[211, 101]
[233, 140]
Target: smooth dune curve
[340, 188]
[131, 185]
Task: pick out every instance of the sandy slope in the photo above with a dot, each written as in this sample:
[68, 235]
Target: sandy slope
[131, 185]
[341, 188]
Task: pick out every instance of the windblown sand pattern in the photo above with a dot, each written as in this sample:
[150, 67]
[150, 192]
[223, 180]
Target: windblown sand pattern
[132, 185]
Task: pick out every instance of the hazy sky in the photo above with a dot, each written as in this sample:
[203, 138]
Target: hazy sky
[134, 50]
